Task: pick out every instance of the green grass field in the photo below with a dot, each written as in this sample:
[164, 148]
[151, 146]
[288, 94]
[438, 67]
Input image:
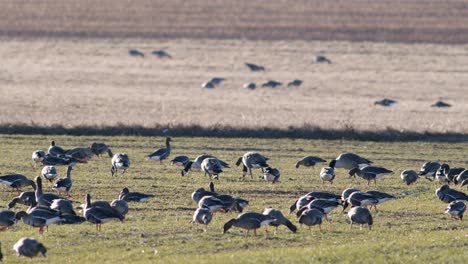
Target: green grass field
[411, 229]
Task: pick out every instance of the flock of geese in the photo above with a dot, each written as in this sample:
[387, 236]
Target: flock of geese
[312, 208]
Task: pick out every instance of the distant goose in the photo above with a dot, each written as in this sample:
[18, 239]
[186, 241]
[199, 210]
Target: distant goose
[180, 160]
[296, 83]
[252, 160]
[279, 219]
[25, 198]
[271, 84]
[249, 221]
[83, 155]
[38, 156]
[309, 161]
[99, 215]
[271, 175]
[385, 102]
[409, 176]
[59, 161]
[100, 148]
[161, 54]
[462, 178]
[450, 173]
[360, 199]
[29, 247]
[54, 150]
[120, 161]
[64, 184]
[429, 169]
[7, 219]
[196, 164]
[361, 216]
[136, 53]
[211, 167]
[128, 196]
[321, 59]
[208, 85]
[441, 104]
[254, 67]
[328, 173]
[323, 205]
[381, 197]
[448, 195]
[17, 181]
[350, 160]
[217, 80]
[311, 217]
[121, 206]
[49, 173]
[161, 153]
[202, 216]
[456, 209]
[250, 86]
[370, 173]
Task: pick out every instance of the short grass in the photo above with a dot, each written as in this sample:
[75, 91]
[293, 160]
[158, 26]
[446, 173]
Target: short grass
[411, 229]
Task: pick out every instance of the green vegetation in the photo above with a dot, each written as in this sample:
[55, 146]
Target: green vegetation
[410, 229]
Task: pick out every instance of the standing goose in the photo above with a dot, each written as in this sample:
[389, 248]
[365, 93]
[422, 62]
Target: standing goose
[7, 219]
[350, 160]
[121, 206]
[279, 219]
[249, 221]
[360, 215]
[381, 198]
[309, 161]
[456, 209]
[370, 173]
[54, 150]
[100, 148]
[202, 216]
[40, 217]
[328, 173]
[271, 175]
[180, 160]
[29, 247]
[38, 156]
[429, 169]
[99, 215]
[212, 167]
[162, 153]
[128, 196]
[440, 176]
[448, 195]
[120, 161]
[252, 160]
[310, 217]
[49, 173]
[64, 184]
[195, 165]
[16, 181]
[360, 199]
[409, 176]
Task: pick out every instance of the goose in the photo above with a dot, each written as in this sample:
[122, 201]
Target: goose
[349, 161]
[212, 167]
[249, 221]
[43, 199]
[198, 194]
[271, 175]
[462, 178]
[409, 176]
[16, 181]
[301, 202]
[321, 59]
[208, 85]
[328, 173]
[381, 198]
[323, 205]
[254, 67]
[99, 215]
[25, 198]
[101, 148]
[99, 204]
[385, 102]
[64, 184]
[128, 196]
[121, 206]
[29, 247]
[360, 215]
[202, 216]
[429, 169]
[325, 195]
[347, 192]
[7, 219]
[161, 153]
[49, 173]
[250, 86]
[456, 209]
[441, 104]
[38, 156]
[450, 173]
[54, 150]
[83, 155]
[360, 199]
[196, 164]
[370, 173]
[161, 54]
[59, 161]
[252, 160]
[180, 160]
[448, 195]
[309, 161]
[136, 53]
[279, 219]
[212, 203]
[63, 206]
[310, 217]
[229, 202]
[217, 80]
[271, 84]
[40, 217]
[296, 83]
[440, 176]
[120, 161]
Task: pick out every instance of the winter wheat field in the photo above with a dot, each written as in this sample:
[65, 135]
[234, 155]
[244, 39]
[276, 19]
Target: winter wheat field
[66, 64]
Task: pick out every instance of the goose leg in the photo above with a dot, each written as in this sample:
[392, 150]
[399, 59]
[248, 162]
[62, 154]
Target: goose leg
[255, 232]
[247, 233]
[250, 170]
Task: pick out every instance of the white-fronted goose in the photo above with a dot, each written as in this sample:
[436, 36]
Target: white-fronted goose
[311, 217]
[25, 198]
[136, 53]
[40, 217]
[59, 161]
[272, 84]
[347, 192]
[29, 247]
[370, 173]
[360, 199]
[54, 150]
[202, 216]
[83, 155]
[64, 184]
[448, 195]
[429, 169]
[409, 176]
[271, 175]
[325, 195]
[217, 80]
[349, 161]
[450, 173]
[385, 102]
[49, 173]
[462, 178]
[121, 206]
[161, 153]
[381, 198]
[100, 148]
[195, 165]
[120, 161]
[99, 215]
[17, 181]
[456, 209]
[309, 161]
[295, 83]
[62, 205]
[199, 193]
[180, 160]
[249, 221]
[279, 219]
[328, 173]
[252, 160]
[254, 67]
[7, 219]
[441, 104]
[38, 156]
[212, 203]
[325, 206]
[161, 54]
[128, 196]
[361, 216]
[212, 167]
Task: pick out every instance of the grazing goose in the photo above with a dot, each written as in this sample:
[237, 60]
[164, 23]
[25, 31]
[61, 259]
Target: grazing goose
[100, 148]
[136, 53]
[448, 195]
[440, 176]
[325, 195]
[49, 173]
[309, 161]
[198, 194]
[161, 54]
[409, 176]
[450, 173]
[328, 173]
[301, 202]
[16, 181]
[7, 219]
[161, 153]
[323, 205]
[229, 202]
[120, 161]
[370, 173]
[310, 217]
[40, 217]
[347, 192]
[296, 83]
[121, 206]
[381, 198]
[271, 175]
[252, 160]
[441, 104]
[321, 59]
[196, 164]
[29, 247]
[212, 203]
[38, 156]
[202, 216]
[99, 215]
[350, 160]
[249, 221]
[456, 209]
[385, 102]
[279, 219]
[462, 178]
[429, 169]
[180, 160]
[271, 84]
[128, 196]
[360, 215]
[54, 150]
[59, 161]
[254, 67]
[63, 206]
[25, 198]
[83, 155]
[250, 86]
[212, 167]
[64, 184]
[360, 199]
